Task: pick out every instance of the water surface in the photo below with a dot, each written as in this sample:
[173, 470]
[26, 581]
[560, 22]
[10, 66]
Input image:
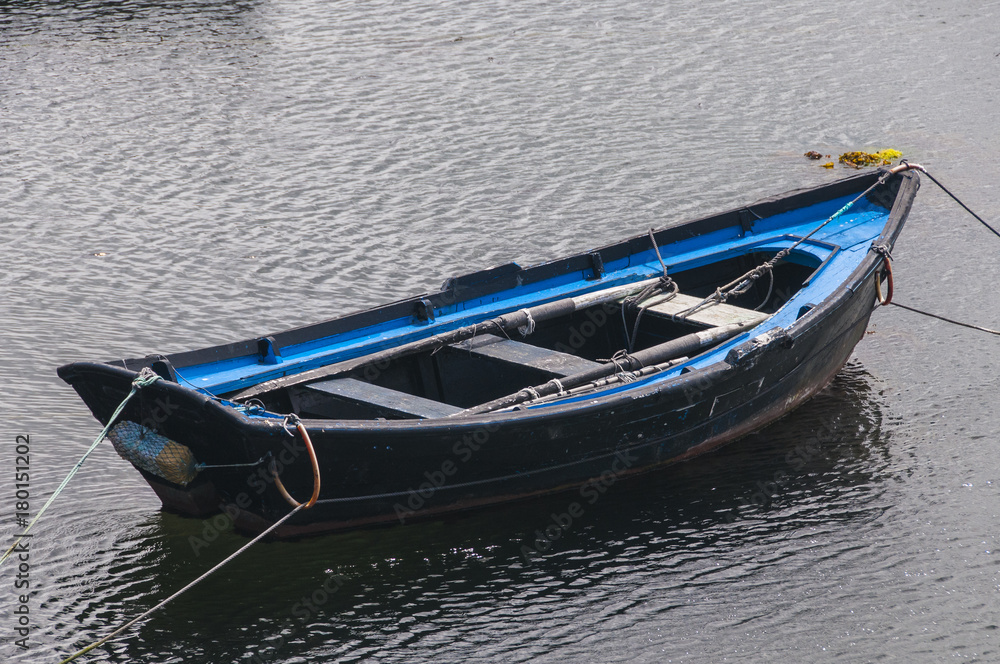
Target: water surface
[179, 174]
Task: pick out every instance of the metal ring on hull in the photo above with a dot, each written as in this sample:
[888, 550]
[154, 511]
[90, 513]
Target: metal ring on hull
[886, 269]
[315, 468]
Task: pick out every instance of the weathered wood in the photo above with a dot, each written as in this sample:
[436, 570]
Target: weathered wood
[373, 400]
[551, 362]
[712, 315]
[689, 344]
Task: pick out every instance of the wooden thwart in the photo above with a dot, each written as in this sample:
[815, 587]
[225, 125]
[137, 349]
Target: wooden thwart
[518, 353]
[369, 400]
[712, 315]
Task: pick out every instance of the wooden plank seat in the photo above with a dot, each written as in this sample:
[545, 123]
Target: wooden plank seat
[713, 315]
[370, 400]
[352, 398]
[552, 362]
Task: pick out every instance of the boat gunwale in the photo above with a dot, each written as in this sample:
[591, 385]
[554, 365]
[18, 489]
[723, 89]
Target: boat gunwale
[891, 229]
[366, 342]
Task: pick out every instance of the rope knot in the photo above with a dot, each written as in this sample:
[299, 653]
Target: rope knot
[881, 250]
[291, 420]
[145, 378]
[621, 356]
[529, 326]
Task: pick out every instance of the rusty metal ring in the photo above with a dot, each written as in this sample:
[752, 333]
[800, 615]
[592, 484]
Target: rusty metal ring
[315, 468]
[886, 268]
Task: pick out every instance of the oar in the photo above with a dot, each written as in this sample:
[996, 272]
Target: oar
[688, 345]
[507, 323]
[607, 381]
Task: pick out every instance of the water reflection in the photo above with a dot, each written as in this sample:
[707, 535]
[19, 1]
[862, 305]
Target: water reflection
[435, 586]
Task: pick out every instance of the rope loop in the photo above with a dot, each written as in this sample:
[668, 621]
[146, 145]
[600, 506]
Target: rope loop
[558, 385]
[622, 356]
[254, 406]
[532, 393]
[625, 375]
[634, 303]
[884, 269]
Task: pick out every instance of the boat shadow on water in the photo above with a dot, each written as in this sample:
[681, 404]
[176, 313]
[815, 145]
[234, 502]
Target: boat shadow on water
[822, 467]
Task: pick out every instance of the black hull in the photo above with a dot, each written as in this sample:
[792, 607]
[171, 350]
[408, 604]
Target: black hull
[389, 472]
[398, 474]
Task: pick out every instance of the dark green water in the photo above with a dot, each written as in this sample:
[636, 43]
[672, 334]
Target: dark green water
[179, 174]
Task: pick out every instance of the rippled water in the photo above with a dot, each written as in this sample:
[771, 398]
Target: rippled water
[178, 174]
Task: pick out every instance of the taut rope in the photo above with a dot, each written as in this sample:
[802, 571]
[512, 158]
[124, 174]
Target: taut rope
[145, 378]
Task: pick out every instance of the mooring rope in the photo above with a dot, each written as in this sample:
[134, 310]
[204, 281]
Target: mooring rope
[742, 284]
[954, 197]
[184, 589]
[656, 248]
[145, 378]
[884, 251]
[947, 320]
[296, 506]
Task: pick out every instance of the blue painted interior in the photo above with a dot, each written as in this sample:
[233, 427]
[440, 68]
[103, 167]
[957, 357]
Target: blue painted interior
[837, 250]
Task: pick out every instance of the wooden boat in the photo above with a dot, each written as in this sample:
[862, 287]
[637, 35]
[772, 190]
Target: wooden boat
[514, 382]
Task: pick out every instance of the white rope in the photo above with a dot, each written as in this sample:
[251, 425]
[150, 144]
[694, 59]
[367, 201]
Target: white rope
[528, 327]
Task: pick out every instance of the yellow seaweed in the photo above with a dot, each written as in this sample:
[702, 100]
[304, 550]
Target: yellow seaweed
[889, 155]
[862, 159]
